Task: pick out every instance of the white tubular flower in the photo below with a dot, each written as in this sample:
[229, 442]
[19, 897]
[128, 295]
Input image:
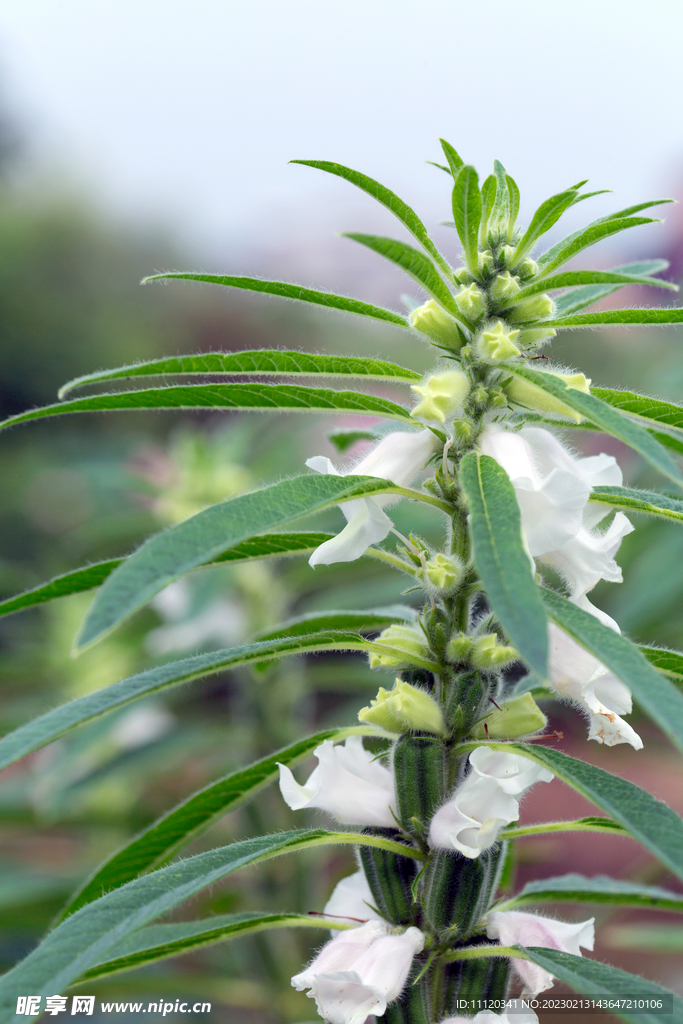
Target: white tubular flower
[352, 898]
[484, 802]
[582, 679]
[513, 928]
[397, 457]
[359, 972]
[589, 557]
[349, 783]
[488, 1017]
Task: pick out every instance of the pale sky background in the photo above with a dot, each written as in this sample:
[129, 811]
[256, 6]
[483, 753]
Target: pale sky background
[188, 110]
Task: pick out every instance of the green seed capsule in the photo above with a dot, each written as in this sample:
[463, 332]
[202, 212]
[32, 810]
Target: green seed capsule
[413, 1006]
[390, 878]
[468, 983]
[457, 889]
[420, 781]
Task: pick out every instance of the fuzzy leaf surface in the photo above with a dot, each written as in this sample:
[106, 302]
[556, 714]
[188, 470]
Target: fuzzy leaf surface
[630, 500]
[573, 888]
[467, 212]
[416, 265]
[654, 413]
[580, 240]
[673, 315]
[665, 660]
[369, 620]
[545, 216]
[580, 298]
[571, 278]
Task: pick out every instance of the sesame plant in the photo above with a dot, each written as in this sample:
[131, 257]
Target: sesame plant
[426, 785]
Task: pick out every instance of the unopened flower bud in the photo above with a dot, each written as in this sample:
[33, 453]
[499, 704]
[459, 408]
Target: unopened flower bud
[442, 395]
[435, 322]
[519, 717]
[445, 573]
[471, 302]
[498, 398]
[458, 649]
[485, 262]
[536, 307]
[523, 392]
[404, 708]
[497, 343]
[488, 653]
[480, 395]
[506, 254]
[462, 430]
[463, 276]
[527, 268]
[535, 335]
[409, 640]
[504, 287]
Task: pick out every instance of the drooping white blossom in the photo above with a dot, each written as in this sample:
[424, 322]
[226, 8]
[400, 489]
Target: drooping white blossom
[398, 457]
[359, 972]
[514, 928]
[485, 802]
[349, 783]
[352, 898]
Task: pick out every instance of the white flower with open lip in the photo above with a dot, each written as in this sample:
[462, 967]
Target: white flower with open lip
[352, 898]
[514, 928]
[359, 972]
[349, 783]
[487, 800]
[397, 457]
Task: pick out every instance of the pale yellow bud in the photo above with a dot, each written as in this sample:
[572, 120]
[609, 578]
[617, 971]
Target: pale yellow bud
[442, 394]
[458, 649]
[537, 307]
[497, 343]
[404, 708]
[409, 640]
[504, 287]
[523, 392]
[463, 276]
[445, 573]
[435, 322]
[471, 302]
[527, 268]
[488, 653]
[535, 335]
[485, 262]
[519, 717]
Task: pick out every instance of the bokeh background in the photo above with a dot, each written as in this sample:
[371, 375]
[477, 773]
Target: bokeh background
[148, 135]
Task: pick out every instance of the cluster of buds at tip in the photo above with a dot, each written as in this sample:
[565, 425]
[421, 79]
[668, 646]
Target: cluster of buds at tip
[444, 573]
[435, 322]
[442, 396]
[524, 393]
[518, 717]
[403, 709]
[497, 343]
[471, 302]
[405, 643]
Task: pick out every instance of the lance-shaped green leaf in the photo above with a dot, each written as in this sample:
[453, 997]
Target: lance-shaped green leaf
[157, 843]
[513, 192]
[653, 413]
[628, 211]
[369, 620]
[84, 939]
[61, 720]
[387, 198]
[287, 291]
[267, 545]
[160, 941]
[631, 500]
[467, 213]
[650, 821]
[591, 978]
[206, 535]
[488, 197]
[500, 214]
[657, 696]
[591, 824]
[415, 263]
[455, 161]
[605, 418]
[501, 560]
[237, 397]
[546, 215]
[579, 298]
[575, 888]
[571, 278]
[263, 362]
[580, 240]
[665, 660]
[656, 317]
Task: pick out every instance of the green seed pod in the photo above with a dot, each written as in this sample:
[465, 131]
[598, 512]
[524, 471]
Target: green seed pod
[419, 772]
[457, 889]
[413, 1006]
[469, 694]
[468, 982]
[390, 878]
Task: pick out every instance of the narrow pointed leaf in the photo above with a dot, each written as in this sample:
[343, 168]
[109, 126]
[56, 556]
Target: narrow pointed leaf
[488, 197]
[84, 939]
[503, 564]
[417, 265]
[206, 535]
[580, 240]
[287, 291]
[455, 161]
[591, 824]
[261, 362]
[672, 315]
[656, 695]
[237, 397]
[513, 191]
[580, 298]
[653, 413]
[591, 978]
[267, 545]
[570, 278]
[500, 214]
[665, 660]
[606, 418]
[650, 821]
[546, 215]
[467, 212]
[161, 840]
[370, 620]
[630, 210]
[64, 719]
[574, 888]
[630, 500]
[158, 942]
[387, 198]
